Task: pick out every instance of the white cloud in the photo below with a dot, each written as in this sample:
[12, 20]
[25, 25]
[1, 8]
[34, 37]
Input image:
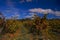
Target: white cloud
[57, 13]
[45, 11]
[39, 10]
[30, 15]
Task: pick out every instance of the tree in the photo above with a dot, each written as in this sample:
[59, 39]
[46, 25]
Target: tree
[2, 22]
[45, 28]
[2, 19]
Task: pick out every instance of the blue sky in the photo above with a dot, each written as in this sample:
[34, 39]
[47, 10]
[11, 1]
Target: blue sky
[23, 8]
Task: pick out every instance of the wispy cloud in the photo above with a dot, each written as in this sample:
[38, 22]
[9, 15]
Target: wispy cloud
[57, 13]
[11, 12]
[11, 9]
[30, 15]
[23, 1]
[28, 0]
[9, 3]
[45, 11]
[16, 15]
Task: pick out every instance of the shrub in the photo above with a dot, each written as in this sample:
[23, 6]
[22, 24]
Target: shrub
[12, 26]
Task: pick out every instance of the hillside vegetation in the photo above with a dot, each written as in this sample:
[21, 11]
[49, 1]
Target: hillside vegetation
[30, 29]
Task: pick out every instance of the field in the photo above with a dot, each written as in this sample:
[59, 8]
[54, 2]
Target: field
[21, 30]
